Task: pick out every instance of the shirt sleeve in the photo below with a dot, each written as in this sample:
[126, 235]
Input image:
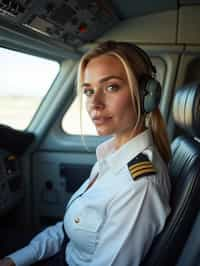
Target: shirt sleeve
[133, 219]
[45, 244]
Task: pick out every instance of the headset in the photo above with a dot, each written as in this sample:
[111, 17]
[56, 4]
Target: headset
[149, 87]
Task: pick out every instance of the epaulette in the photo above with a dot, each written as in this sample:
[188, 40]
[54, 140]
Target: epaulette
[141, 166]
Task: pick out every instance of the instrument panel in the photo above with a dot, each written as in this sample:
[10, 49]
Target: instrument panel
[13, 144]
[11, 185]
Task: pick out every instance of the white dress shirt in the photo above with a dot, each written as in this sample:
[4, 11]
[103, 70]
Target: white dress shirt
[114, 221]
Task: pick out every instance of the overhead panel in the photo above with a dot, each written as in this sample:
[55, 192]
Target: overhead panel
[129, 8]
[189, 2]
[71, 21]
[189, 20]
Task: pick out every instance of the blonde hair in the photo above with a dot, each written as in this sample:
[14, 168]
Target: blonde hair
[135, 67]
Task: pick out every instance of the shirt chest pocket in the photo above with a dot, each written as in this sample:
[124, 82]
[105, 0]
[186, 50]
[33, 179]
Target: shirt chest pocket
[83, 229]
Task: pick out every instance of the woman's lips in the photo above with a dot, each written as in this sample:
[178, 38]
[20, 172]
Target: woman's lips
[100, 120]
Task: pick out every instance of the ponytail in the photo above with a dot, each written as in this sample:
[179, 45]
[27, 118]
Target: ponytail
[159, 132]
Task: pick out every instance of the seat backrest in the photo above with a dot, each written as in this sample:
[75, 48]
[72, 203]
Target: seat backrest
[184, 170]
[190, 256]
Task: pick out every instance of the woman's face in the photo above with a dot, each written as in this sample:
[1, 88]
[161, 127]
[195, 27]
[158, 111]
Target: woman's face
[108, 97]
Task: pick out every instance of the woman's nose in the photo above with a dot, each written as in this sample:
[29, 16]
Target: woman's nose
[98, 100]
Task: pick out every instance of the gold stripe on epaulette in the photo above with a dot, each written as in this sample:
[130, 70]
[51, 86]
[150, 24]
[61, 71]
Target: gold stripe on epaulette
[141, 167]
[146, 163]
[144, 171]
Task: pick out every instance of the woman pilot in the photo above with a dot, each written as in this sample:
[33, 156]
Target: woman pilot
[114, 216]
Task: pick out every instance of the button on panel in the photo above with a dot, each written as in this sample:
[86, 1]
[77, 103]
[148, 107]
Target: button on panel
[77, 220]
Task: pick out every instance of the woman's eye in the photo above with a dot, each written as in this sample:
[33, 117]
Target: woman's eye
[112, 88]
[88, 92]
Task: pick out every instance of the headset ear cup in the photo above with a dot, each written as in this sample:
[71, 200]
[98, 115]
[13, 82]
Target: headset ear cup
[152, 95]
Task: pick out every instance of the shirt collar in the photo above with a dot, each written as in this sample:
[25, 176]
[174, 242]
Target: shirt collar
[104, 149]
[116, 159]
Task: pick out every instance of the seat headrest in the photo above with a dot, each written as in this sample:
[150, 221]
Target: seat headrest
[186, 108]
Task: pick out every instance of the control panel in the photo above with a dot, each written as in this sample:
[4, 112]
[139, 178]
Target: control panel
[11, 185]
[56, 176]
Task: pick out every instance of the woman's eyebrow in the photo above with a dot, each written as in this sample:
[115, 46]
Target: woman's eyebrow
[110, 77]
[85, 84]
[103, 80]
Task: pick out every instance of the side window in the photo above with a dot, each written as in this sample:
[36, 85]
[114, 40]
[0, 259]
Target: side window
[72, 123]
[24, 81]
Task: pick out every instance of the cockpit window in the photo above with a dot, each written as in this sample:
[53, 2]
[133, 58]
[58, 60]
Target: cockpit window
[24, 81]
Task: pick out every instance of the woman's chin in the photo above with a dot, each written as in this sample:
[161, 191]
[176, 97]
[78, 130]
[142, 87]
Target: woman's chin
[103, 132]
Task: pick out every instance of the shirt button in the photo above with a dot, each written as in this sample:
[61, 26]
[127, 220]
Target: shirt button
[77, 220]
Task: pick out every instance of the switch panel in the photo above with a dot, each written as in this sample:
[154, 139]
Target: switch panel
[11, 185]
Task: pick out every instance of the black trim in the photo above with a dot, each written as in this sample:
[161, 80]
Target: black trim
[15, 141]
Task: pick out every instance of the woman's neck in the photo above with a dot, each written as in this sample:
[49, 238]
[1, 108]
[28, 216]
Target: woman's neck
[121, 139]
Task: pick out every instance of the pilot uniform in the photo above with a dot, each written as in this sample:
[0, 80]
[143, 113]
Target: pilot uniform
[114, 220]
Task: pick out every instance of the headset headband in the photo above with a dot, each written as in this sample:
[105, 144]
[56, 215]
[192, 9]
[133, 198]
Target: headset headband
[146, 58]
